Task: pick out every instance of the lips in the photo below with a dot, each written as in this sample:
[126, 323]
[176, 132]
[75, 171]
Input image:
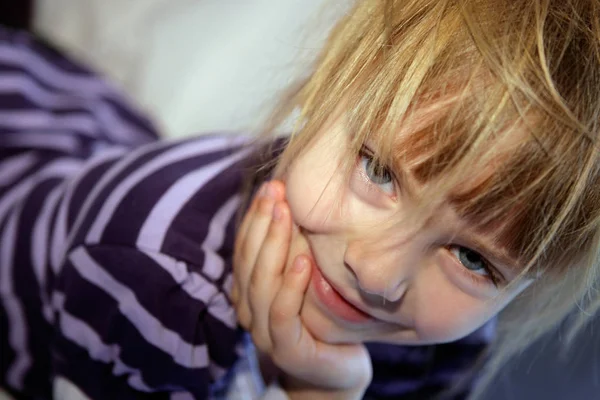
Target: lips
[335, 303]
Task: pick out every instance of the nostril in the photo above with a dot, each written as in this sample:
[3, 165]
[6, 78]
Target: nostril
[349, 268]
[373, 278]
[389, 298]
[377, 290]
[360, 282]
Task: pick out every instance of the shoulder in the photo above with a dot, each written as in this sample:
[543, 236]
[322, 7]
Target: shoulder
[144, 251]
[171, 188]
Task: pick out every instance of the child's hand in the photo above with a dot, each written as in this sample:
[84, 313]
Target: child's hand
[269, 299]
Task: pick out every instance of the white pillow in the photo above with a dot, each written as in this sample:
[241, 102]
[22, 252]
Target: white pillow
[195, 65]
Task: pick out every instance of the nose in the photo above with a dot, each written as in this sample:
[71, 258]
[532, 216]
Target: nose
[385, 273]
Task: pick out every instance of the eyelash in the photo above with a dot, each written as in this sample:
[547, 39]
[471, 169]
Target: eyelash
[490, 278]
[368, 154]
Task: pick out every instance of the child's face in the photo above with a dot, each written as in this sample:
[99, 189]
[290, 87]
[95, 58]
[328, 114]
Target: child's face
[414, 286]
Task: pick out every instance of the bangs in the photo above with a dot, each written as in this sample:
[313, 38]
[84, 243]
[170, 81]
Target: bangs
[470, 118]
[524, 184]
[521, 183]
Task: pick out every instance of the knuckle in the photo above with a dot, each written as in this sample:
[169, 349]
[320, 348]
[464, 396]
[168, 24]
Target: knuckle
[292, 281]
[244, 254]
[247, 249]
[282, 358]
[237, 249]
[244, 319]
[255, 284]
[245, 323]
[277, 316]
[273, 236]
[261, 341]
[235, 301]
[288, 284]
[238, 239]
[253, 305]
[265, 207]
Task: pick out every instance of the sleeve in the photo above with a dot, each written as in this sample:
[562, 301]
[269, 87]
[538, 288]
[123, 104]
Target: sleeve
[457, 366]
[59, 122]
[136, 324]
[455, 370]
[446, 371]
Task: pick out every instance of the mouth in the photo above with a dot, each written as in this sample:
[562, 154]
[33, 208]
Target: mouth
[333, 300]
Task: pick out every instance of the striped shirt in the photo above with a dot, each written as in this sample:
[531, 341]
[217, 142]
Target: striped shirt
[115, 249]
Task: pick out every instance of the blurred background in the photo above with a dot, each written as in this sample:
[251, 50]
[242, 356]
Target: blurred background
[194, 65]
[201, 66]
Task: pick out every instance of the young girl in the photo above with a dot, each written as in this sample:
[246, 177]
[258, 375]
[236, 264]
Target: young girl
[444, 165]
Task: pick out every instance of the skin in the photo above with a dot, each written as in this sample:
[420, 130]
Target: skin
[268, 294]
[414, 283]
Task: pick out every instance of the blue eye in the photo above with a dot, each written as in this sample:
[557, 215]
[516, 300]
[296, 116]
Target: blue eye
[471, 260]
[378, 174]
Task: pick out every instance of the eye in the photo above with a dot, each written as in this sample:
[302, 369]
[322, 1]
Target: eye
[470, 259]
[474, 262]
[376, 173]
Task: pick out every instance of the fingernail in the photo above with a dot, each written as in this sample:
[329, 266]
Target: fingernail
[300, 263]
[278, 212]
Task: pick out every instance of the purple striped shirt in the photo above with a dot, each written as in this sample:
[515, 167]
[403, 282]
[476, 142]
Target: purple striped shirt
[115, 248]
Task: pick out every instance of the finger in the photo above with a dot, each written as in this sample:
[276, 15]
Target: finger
[258, 226]
[243, 316]
[294, 348]
[250, 249]
[276, 189]
[285, 324]
[234, 294]
[239, 288]
[267, 273]
[243, 229]
[296, 351]
[248, 244]
[273, 189]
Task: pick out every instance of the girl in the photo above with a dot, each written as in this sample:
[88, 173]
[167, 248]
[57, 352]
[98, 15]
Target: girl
[444, 165]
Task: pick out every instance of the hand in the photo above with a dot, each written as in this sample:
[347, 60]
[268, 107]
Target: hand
[268, 299]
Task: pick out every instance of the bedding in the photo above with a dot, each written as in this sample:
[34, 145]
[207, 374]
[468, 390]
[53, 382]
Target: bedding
[195, 66]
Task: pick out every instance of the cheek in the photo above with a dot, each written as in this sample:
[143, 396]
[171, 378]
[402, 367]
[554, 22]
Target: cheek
[445, 313]
[312, 189]
[300, 196]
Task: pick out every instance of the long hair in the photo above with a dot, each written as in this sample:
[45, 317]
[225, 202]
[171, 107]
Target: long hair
[507, 95]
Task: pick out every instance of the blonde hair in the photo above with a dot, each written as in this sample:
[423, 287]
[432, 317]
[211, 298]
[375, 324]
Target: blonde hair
[524, 74]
